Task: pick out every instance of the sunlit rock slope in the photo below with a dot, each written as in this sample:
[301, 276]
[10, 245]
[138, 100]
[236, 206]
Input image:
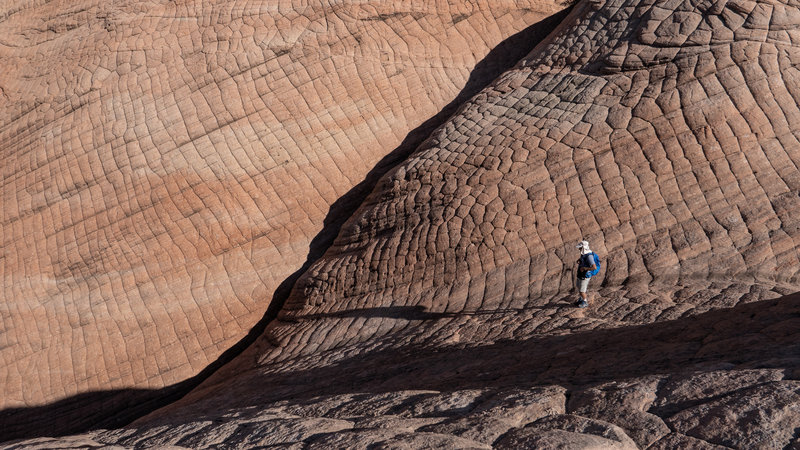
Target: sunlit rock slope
[665, 133]
[166, 165]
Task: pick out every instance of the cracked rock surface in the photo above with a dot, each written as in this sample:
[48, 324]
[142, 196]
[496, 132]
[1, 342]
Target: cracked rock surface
[665, 133]
[727, 378]
[166, 165]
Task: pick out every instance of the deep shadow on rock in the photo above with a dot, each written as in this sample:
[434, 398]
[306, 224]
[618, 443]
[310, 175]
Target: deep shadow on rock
[755, 335]
[682, 372]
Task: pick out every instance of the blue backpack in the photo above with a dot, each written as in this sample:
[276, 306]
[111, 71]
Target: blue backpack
[586, 262]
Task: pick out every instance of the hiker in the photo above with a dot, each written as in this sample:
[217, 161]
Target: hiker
[588, 265]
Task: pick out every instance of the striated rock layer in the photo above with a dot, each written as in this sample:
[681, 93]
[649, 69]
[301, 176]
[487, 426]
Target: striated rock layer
[166, 164]
[664, 132]
[721, 379]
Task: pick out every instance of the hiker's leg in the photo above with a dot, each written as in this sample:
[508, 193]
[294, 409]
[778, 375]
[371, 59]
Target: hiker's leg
[584, 286]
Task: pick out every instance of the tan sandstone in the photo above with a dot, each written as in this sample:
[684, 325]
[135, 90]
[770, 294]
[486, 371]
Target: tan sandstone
[166, 165]
[664, 132]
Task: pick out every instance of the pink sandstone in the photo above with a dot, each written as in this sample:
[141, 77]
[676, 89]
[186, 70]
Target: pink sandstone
[166, 165]
[665, 133]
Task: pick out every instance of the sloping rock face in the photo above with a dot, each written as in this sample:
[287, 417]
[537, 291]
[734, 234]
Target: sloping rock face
[663, 132]
[166, 165]
[721, 379]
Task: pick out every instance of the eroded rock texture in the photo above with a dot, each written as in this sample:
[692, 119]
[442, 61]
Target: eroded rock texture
[665, 132]
[721, 379]
[166, 164]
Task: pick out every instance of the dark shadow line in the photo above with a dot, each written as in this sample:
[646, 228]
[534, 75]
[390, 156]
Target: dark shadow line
[116, 408]
[417, 312]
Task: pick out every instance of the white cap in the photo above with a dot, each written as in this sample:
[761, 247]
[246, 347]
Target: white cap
[584, 246]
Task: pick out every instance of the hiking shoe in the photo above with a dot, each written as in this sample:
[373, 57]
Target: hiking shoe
[582, 303]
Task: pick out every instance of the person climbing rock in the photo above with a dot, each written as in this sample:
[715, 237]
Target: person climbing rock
[588, 265]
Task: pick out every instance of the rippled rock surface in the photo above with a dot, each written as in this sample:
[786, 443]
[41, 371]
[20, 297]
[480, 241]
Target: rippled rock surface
[665, 133]
[167, 165]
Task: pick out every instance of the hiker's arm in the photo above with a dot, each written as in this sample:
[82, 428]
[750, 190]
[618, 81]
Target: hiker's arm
[578, 268]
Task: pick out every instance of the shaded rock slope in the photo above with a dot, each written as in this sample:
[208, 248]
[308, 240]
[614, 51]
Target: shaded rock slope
[725, 378]
[167, 165]
[664, 132]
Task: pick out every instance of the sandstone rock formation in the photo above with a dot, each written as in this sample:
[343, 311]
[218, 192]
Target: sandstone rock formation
[167, 164]
[663, 131]
[721, 379]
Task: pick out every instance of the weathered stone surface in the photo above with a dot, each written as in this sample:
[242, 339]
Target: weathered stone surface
[625, 404]
[681, 390]
[166, 165]
[521, 406]
[72, 442]
[505, 410]
[567, 431]
[361, 439]
[406, 424]
[761, 417]
[386, 394]
[665, 132]
[677, 440]
[555, 440]
[678, 162]
[412, 441]
[480, 428]
[655, 161]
